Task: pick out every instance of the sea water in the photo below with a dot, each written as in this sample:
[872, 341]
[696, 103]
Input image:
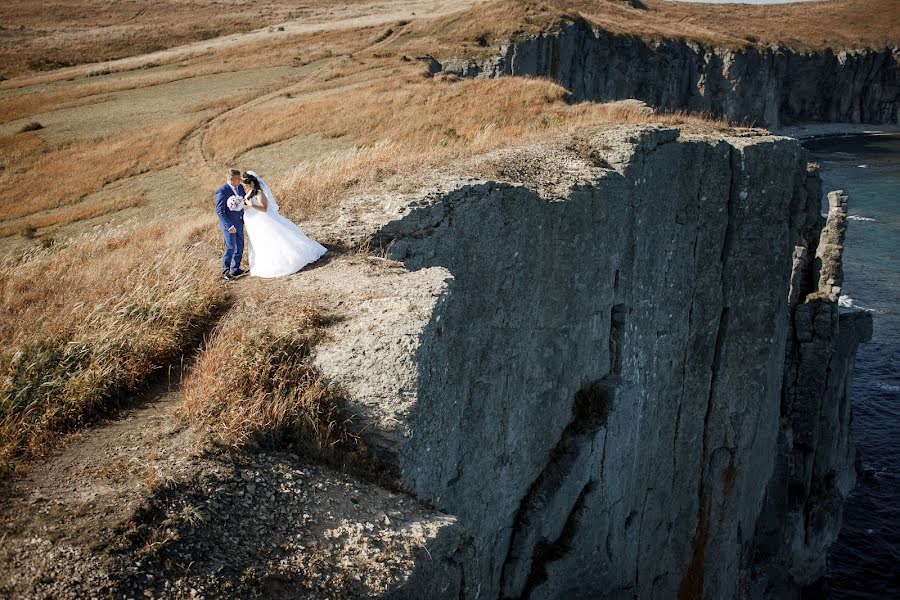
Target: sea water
[864, 563]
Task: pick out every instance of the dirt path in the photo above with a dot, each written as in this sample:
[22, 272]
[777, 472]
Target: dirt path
[64, 509]
[329, 19]
[143, 506]
[193, 148]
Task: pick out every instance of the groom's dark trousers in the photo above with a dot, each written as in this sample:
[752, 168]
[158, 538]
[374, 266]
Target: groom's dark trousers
[234, 242]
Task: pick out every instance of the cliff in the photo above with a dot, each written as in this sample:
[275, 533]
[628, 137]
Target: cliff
[768, 86]
[606, 360]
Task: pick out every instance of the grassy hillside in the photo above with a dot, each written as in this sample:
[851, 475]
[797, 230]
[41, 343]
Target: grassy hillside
[37, 36]
[41, 36]
[835, 24]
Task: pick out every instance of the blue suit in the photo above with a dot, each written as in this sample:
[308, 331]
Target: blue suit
[234, 242]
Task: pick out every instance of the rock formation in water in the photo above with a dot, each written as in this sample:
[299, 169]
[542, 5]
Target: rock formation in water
[766, 86]
[814, 471]
[610, 359]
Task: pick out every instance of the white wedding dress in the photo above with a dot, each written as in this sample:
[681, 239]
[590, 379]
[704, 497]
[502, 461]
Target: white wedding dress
[277, 246]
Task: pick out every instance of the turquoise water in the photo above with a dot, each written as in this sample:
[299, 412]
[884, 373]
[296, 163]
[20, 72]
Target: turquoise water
[864, 563]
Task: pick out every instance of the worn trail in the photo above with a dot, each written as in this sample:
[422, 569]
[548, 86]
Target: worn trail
[145, 506]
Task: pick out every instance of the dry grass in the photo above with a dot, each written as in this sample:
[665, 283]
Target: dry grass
[55, 287]
[81, 333]
[221, 105]
[419, 123]
[288, 50]
[66, 171]
[26, 104]
[833, 24]
[822, 24]
[39, 36]
[60, 173]
[803, 25]
[88, 91]
[427, 131]
[71, 214]
[253, 382]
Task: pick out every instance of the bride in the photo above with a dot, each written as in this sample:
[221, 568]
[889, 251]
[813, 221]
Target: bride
[277, 246]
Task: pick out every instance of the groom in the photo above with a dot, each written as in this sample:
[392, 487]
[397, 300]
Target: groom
[231, 220]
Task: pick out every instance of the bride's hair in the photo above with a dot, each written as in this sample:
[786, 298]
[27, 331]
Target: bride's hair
[250, 179]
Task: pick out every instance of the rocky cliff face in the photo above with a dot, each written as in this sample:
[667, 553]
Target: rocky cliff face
[606, 359]
[769, 86]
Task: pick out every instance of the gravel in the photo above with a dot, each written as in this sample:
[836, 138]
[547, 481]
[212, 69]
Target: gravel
[143, 509]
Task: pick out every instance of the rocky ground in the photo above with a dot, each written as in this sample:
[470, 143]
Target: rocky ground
[145, 507]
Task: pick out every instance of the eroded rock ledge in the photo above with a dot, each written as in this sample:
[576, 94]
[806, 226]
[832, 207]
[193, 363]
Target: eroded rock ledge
[770, 86]
[616, 369]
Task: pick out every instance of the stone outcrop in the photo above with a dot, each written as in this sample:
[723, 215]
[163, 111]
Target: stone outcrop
[602, 367]
[767, 86]
[815, 470]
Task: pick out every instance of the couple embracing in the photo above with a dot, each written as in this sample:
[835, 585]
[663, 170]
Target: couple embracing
[277, 246]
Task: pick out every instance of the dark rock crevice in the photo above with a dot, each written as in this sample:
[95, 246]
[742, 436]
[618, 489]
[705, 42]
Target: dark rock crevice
[547, 551]
[692, 581]
[533, 545]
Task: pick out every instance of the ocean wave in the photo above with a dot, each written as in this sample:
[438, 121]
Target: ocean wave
[888, 387]
[848, 302]
[863, 166]
[855, 217]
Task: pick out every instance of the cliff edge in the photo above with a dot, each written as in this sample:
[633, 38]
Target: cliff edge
[769, 86]
[610, 358]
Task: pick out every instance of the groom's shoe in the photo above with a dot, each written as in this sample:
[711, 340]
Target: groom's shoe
[238, 273]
